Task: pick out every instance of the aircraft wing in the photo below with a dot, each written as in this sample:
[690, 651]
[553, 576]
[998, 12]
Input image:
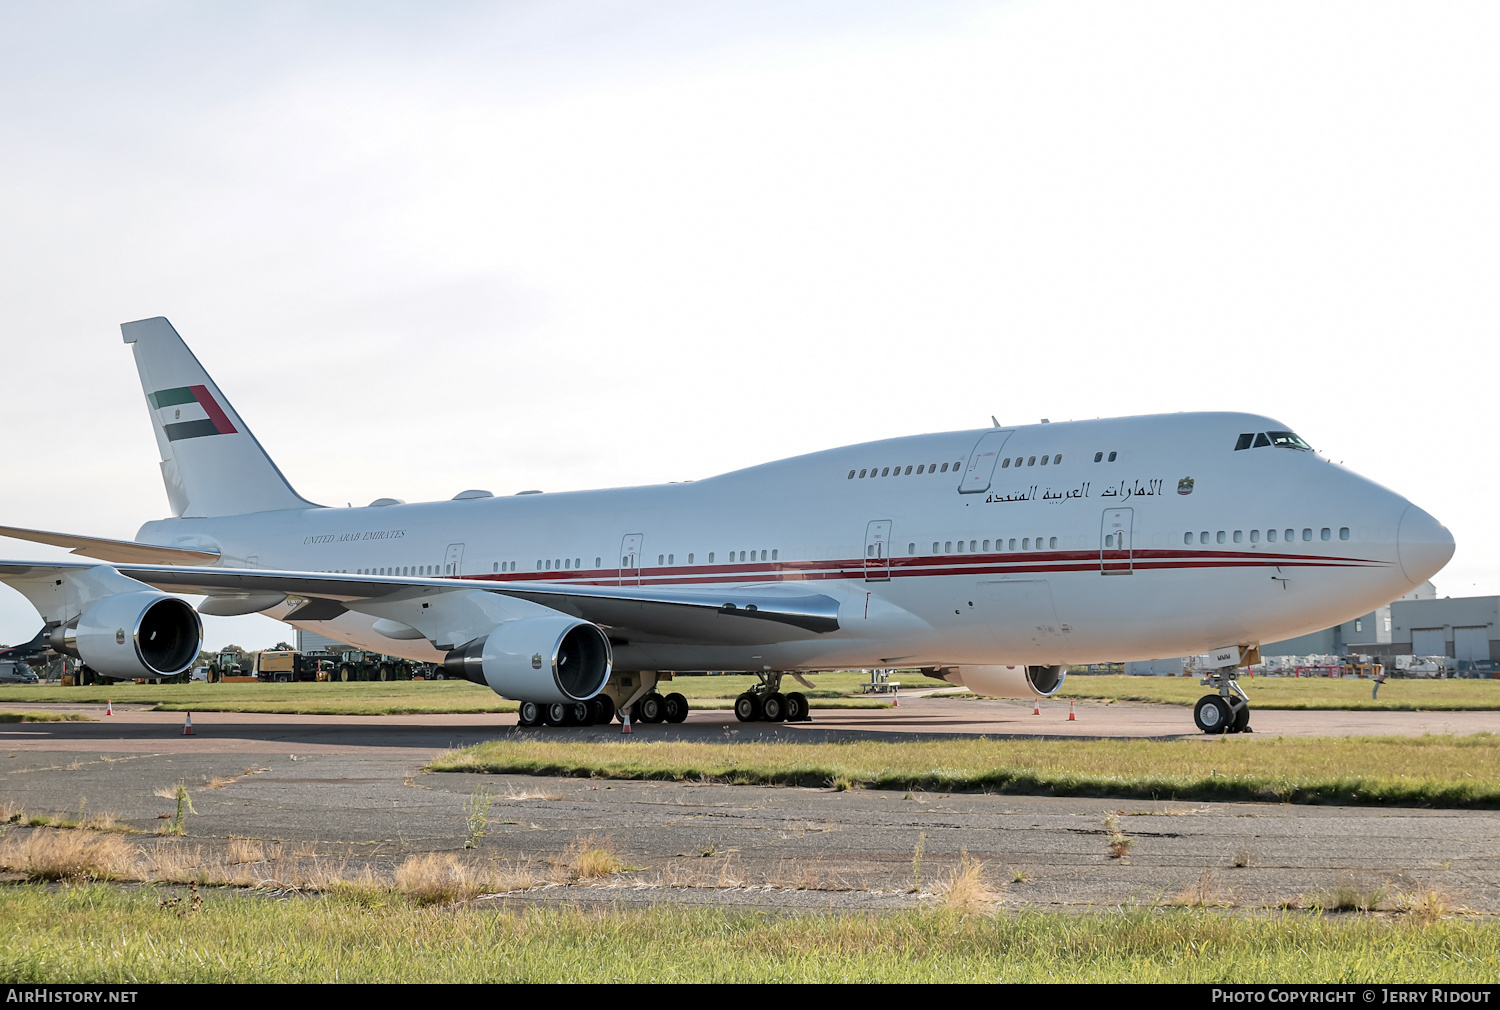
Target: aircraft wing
[123, 551]
[728, 614]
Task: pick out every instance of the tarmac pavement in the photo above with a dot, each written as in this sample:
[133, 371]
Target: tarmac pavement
[348, 791]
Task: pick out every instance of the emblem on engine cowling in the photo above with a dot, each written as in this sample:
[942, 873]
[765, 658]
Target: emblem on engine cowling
[120, 636]
[1185, 486]
[536, 660]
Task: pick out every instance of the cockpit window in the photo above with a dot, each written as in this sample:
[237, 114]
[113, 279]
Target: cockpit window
[1288, 440]
[1257, 440]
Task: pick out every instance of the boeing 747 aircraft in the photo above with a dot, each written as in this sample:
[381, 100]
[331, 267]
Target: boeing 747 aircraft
[989, 558]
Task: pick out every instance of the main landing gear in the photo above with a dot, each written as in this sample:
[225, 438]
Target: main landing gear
[766, 703]
[601, 711]
[1225, 712]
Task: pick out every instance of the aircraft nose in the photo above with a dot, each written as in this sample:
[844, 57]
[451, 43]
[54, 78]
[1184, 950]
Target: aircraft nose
[1423, 544]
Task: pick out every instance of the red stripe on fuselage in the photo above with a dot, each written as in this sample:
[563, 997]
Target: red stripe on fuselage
[1042, 563]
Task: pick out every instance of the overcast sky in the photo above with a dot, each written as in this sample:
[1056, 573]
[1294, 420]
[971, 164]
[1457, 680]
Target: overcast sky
[429, 247]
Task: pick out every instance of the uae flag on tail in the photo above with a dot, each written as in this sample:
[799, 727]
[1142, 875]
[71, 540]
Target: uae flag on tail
[190, 412]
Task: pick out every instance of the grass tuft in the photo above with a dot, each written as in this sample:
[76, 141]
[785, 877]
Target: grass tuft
[1203, 893]
[591, 857]
[52, 854]
[965, 890]
[1119, 842]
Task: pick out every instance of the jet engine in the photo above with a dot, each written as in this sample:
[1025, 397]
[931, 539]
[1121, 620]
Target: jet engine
[127, 635]
[1008, 681]
[543, 659]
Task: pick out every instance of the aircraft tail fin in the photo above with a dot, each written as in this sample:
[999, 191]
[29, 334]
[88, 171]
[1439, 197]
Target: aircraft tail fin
[210, 462]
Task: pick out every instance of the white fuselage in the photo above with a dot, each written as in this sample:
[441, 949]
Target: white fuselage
[1172, 543]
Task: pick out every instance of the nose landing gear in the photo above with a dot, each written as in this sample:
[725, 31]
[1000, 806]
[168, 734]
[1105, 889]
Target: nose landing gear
[1228, 711]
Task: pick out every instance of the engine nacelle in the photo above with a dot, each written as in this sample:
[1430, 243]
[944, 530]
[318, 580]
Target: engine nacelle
[542, 659]
[129, 635]
[1008, 681]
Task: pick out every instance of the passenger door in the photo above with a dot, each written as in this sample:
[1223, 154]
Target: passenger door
[630, 559]
[982, 460]
[453, 561]
[1116, 553]
[878, 551]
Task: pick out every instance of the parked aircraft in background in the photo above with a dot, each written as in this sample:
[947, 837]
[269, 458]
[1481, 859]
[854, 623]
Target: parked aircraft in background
[989, 558]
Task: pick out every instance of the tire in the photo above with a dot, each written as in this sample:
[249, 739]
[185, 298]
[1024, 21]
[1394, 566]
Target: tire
[1213, 714]
[529, 714]
[676, 706]
[440, 675]
[747, 707]
[382, 672]
[346, 673]
[773, 707]
[603, 709]
[651, 709]
[582, 714]
[557, 713]
[796, 707]
[1241, 723]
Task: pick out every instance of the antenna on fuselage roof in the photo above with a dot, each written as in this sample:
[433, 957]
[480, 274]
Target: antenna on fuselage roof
[993, 419]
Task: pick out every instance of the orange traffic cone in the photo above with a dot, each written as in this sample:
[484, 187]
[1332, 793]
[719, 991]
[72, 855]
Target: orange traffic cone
[187, 727]
[1037, 708]
[109, 708]
[1071, 716]
[625, 721]
[895, 700]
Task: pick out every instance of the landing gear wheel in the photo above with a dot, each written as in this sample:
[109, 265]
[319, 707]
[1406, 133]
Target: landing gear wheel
[580, 713]
[557, 713]
[675, 707]
[1212, 714]
[651, 708]
[529, 714]
[747, 707]
[603, 709]
[773, 707]
[796, 707]
[1241, 723]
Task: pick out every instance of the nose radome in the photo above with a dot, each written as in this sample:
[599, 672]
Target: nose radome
[1423, 544]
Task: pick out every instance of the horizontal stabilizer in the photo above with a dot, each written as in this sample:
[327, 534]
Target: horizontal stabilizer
[120, 551]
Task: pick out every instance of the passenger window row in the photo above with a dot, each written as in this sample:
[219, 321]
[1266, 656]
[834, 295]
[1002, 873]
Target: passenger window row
[1288, 535]
[403, 570]
[1113, 455]
[983, 546]
[1029, 461]
[897, 471]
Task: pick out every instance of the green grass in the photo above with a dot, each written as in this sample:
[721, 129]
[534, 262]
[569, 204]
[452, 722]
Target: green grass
[364, 698]
[1298, 692]
[395, 697]
[108, 934]
[1445, 771]
[45, 717]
